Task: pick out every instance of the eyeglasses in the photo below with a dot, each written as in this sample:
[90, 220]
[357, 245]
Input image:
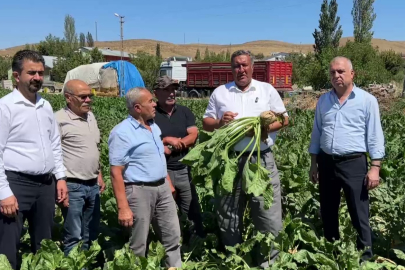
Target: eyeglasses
[83, 97]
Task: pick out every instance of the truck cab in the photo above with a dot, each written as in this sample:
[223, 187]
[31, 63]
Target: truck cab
[174, 69]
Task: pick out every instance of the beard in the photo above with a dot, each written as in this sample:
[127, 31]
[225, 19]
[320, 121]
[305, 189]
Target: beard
[34, 86]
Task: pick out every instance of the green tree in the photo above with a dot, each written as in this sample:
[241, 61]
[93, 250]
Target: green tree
[5, 65]
[198, 56]
[158, 55]
[259, 56]
[96, 56]
[148, 65]
[70, 32]
[82, 40]
[206, 55]
[330, 32]
[90, 41]
[363, 19]
[53, 46]
[65, 64]
[228, 55]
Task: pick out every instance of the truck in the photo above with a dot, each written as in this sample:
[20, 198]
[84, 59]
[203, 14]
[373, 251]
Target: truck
[175, 69]
[203, 78]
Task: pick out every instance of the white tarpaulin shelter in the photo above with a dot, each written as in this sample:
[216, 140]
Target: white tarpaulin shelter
[90, 74]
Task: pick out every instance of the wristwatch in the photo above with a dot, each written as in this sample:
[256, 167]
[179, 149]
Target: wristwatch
[63, 178]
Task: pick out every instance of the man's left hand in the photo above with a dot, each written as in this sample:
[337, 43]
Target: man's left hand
[62, 190]
[373, 178]
[101, 183]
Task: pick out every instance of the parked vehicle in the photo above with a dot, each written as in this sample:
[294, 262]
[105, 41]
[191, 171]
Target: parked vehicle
[175, 69]
[203, 78]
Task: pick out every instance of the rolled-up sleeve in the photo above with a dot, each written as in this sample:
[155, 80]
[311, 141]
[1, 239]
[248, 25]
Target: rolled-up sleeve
[59, 171]
[315, 144]
[277, 104]
[118, 148]
[375, 135]
[5, 190]
[211, 110]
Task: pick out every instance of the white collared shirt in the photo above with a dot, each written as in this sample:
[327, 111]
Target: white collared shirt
[29, 139]
[259, 97]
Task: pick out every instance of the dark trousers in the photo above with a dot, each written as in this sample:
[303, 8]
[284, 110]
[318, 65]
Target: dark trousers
[187, 198]
[36, 201]
[82, 217]
[230, 209]
[350, 175]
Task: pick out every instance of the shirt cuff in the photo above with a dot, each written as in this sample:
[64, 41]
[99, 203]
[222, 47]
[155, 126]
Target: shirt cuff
[59, 175]
[377, 155]
[5, 193]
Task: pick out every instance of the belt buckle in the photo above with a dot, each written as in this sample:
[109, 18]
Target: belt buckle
[336, 157]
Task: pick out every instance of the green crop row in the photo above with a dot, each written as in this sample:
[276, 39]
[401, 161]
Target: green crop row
[301, 242]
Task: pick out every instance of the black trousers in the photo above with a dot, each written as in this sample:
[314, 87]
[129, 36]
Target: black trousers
[350, 175]
[36, 201]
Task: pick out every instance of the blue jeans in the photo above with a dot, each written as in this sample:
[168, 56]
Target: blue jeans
[82, 217]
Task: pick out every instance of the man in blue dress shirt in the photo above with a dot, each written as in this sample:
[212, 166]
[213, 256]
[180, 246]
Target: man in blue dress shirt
[347, 126]
[139, 178]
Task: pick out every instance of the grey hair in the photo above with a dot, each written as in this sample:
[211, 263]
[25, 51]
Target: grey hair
[133, 95]
[242, 52]
[343, 58]
[67, 90]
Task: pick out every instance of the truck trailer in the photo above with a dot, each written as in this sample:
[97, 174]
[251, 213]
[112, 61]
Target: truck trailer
[203, 78]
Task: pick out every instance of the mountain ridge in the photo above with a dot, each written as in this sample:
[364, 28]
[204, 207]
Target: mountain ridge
[266, 47]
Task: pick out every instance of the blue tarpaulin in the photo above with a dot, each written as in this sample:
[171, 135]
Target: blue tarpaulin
[132, 77]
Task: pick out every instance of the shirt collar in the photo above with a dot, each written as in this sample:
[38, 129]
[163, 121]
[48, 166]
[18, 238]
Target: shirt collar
[352, 94]
[19, 98]
[158, 108]
[74, 116]
[136, 123]
[252, 87]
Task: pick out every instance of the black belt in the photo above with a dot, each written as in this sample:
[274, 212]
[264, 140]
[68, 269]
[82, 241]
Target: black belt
[33, 177]
[90, 182]
[147, 184]
[346, 156]
[247, 153]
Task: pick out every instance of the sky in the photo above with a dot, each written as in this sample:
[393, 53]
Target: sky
[192, 21]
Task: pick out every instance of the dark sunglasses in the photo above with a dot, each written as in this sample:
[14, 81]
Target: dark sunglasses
[83, 97]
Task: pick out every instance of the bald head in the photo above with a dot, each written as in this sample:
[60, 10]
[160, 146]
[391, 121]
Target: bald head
[74, 86]
[78, 97]
[341, 73]
[344, 60]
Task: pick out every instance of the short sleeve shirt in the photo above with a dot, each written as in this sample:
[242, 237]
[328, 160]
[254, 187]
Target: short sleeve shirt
[80, 139]
[175, 125]
[259, 97]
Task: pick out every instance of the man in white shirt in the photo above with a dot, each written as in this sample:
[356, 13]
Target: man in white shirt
[241, 98]
[30, 159]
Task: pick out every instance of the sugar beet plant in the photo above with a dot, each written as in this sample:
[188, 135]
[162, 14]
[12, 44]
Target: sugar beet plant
[301, 242]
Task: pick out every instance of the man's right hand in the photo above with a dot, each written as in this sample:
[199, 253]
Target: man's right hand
[175, 142]
[313, 173]
[125, 217]
[227, 117]
[9, 206]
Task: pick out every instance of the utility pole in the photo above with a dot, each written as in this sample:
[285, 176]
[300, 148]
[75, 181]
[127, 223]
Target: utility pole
[96, 32]
[122, 84]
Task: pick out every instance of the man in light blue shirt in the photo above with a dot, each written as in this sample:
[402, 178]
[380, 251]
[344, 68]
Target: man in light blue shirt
[347, 126]
[139, 178]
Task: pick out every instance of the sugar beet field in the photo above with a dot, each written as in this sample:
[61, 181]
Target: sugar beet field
[301, 241]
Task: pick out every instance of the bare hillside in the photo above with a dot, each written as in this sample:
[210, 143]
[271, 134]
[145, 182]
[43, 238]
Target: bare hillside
[260, 46]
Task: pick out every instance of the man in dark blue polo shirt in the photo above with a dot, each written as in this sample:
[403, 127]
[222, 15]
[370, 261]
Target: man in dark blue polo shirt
[179, 132]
